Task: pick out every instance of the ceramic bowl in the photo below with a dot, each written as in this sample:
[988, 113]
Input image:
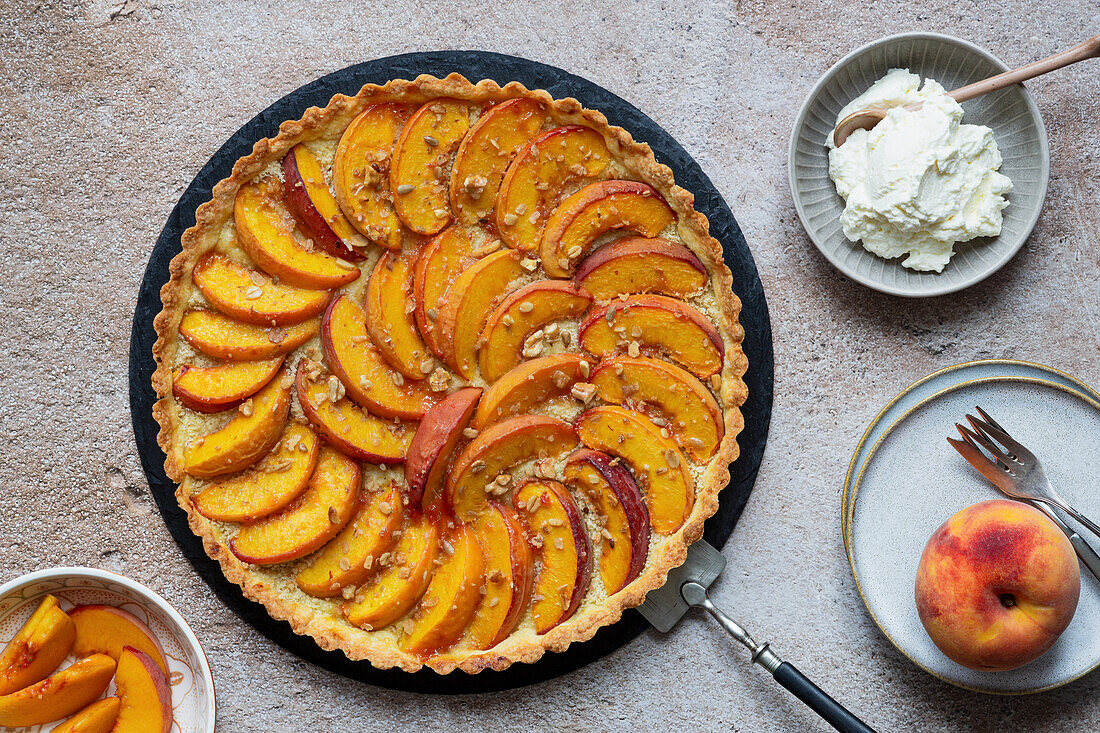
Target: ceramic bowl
[1011, 114]
[193, 699]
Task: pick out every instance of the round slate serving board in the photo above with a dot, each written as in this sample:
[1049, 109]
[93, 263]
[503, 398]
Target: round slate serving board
[475, 65]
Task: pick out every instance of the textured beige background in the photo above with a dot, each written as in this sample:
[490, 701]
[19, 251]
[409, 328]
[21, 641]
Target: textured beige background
[107, 116]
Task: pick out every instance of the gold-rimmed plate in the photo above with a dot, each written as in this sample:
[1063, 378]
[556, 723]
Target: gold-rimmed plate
[911, 481]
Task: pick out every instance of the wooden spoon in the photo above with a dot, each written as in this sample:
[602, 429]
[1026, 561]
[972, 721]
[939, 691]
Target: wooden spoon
[865, 119]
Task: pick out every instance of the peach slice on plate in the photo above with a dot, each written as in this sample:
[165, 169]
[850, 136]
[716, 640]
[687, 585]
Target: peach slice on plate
[486, 152]
[452, 597]
[469, 302]
[390, 319]
[509, 577]
[623, 516]
[556, 529]
[267, 487]
[474, 475]
[435, 440]
[655, 324]
[596, 209]
[251, 297]
[520, 315]
[220, 387]
[361, 172]
[403, 577]
[247, 437]
[420, 157]
[144, 694]
[108, 630]
[59, 695]
[268, 233]
[634, 265]
[655, 461]
[358, 364]
[550, 163]
[38, 647]
[530, 384]
[221, 337]
[308, 196]
[351, 557]
[692, 414]
[309, 521]
[440, 262]
[346, 426]
[99, 717]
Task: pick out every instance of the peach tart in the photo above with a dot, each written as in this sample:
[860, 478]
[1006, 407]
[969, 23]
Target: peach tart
[449, 375]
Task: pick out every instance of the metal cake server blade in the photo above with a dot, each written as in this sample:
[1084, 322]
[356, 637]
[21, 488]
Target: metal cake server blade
[686, 588]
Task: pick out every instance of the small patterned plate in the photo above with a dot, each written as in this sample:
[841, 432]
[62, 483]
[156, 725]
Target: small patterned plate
[193, 699]
[1011, 113]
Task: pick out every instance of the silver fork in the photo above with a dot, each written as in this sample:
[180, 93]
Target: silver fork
[1017, 473]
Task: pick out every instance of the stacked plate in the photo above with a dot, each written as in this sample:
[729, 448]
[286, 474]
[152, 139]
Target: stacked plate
[905, 480]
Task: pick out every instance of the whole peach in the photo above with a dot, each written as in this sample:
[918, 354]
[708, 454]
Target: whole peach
[997, 584]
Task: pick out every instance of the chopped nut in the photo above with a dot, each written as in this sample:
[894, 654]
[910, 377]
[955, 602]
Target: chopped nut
[510, 219]
[470, 433]
[475, 186]
[559, 378]
[574, 251]
[397, 378]
[405, 188]
[448, 547]
[493, 602]
[427, 365]
[365, 383]
[716, 381]
[528, 264]
[384, 507]
[246, 408]
[333, 515]
[439, 380]
[583, 391]
[344, 564]
[431, 141]
[585, 368]
[507, 319]
[672, 458]
[633, 350]
[276, 335]
[432, 314]
[559, 543]
[252, 292]
[477, 466]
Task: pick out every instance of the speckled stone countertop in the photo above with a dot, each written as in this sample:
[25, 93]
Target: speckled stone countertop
[109, 111]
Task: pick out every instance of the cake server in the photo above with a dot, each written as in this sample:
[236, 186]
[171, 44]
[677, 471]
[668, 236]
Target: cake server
[686, 587]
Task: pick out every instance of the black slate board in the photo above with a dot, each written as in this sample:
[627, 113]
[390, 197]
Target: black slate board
[475, 65]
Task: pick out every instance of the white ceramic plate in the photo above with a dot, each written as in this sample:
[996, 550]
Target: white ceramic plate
[939, 380]
[193, 699]
[1011, 113]
[912, 481]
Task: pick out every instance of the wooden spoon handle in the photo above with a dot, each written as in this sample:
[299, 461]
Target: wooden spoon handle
[1084, 50]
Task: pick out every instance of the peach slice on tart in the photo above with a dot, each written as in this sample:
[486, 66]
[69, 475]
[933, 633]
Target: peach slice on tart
[221, 337]
[654, 324]
[310, 521]
[308, 196]
[268, 233]
[689, 410]
[220, 387]
[542, 169]
[403, 576]
[656, 461]
[452, 597]
[469, 302]
[418, 180]
[624, 520]
[248, 436]
[359, 365]
[108, 630]
[530, 384]
[480, 470]
[596, 209]
[36, 650]
[99, 717]
[346, 426]
[350, 557]
[634, 265]
[361, 172]
[59, 695]
[390, 320]
[440, 262]
[557, 531]
[509, 577]
[144, 695]
[252, 297]
[486, 152]
[520, 316]
[278, 479]
[436, 437]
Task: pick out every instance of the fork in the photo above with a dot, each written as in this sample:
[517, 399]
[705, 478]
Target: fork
[1018, 473]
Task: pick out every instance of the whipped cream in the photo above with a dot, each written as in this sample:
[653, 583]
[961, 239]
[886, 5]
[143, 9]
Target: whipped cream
[920, 181]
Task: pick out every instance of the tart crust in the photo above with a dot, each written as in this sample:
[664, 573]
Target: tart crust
[332, 631]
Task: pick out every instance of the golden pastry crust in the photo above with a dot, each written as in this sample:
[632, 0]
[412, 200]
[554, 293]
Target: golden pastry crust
[330, 630]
